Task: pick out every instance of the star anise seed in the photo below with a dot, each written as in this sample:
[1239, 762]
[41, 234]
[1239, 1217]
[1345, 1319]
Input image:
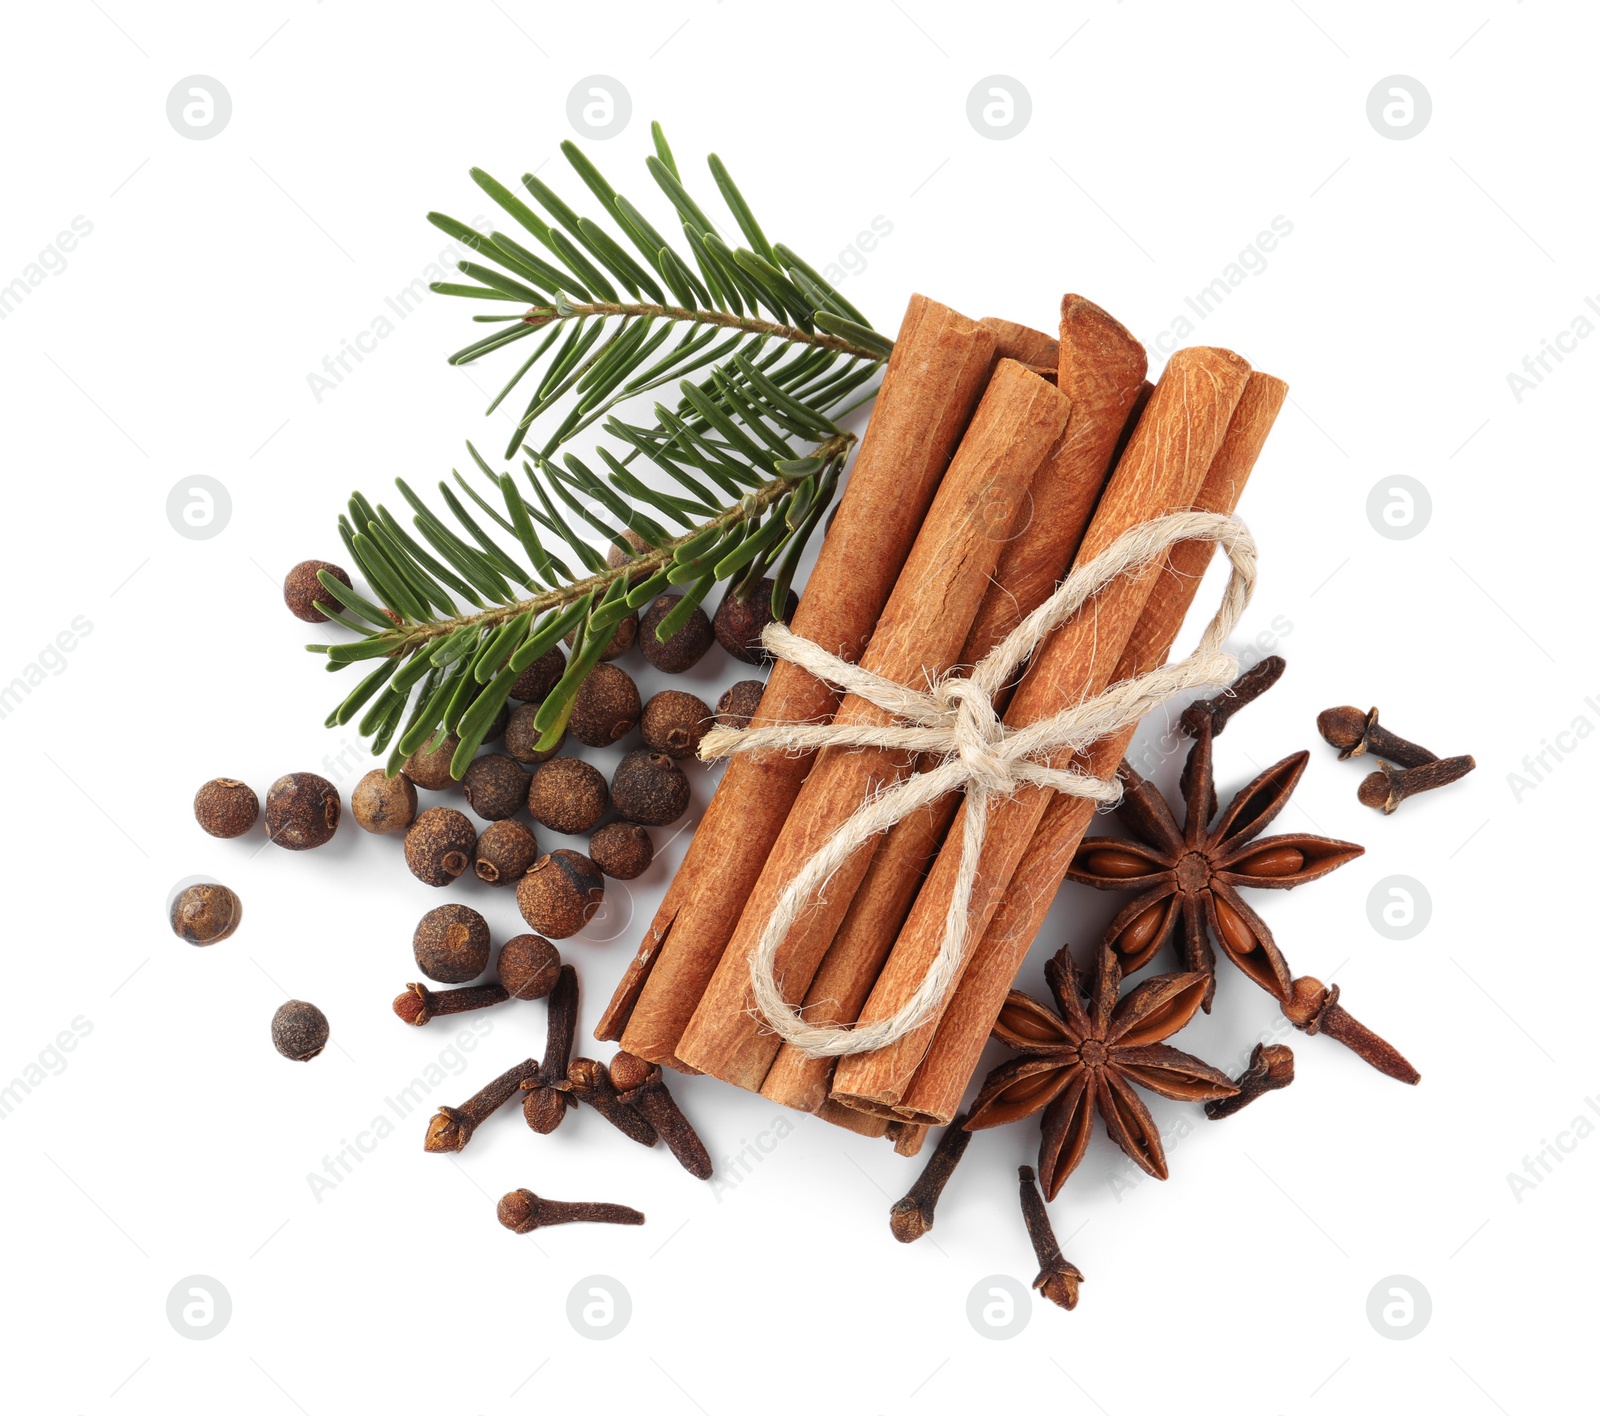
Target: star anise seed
[1194, 872]
[1088, 1059]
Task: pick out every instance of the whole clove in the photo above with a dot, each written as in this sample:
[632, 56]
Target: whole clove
[1244, 690]
[545, 1104]
[1385, 789]
[1355, 733]
[1315, 1009]
[1058, 1280]
[452, 1127]
[1271, 1067]
[641, 1087]
[419, 1004]
[912, 1216]
[522, 1211]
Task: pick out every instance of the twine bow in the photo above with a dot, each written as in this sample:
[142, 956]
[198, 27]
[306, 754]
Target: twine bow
[955, 720]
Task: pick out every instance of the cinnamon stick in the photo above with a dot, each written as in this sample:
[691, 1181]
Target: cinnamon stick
[1165, 463]
[937, 373]
[941, 1079]
[1101, 367]
[921, 632]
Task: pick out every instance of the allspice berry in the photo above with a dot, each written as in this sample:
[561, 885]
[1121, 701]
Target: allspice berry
[522, 738]
[299, 1030]
[561, 893]
[739, 623]
[383, 804]
[543, 674]
[682, 650]
[528, 966]
[451, 944]
[429, 766]
[674, 722]
[738, 705]
[622, 850]
[302, 811]
[504, 852]
[206, 914]
[497, 725]
[606, 707]
[622, 638]
[616, 557]
[567, 795]
[495, 787]
[649, 788]
[225, 807]
[302, 590]
[440, 845]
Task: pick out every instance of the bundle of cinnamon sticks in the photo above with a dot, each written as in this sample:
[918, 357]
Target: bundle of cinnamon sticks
[997, 458]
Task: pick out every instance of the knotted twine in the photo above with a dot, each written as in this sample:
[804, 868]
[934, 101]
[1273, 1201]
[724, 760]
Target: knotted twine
[955, 720]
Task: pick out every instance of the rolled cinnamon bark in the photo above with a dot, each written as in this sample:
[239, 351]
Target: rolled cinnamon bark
[941, 1079]
[935, 377]
[1100, 367]
[1162, 470]
[921, 633]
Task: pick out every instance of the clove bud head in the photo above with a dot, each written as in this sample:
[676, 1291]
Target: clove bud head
[518, 1210]
[1059, 1283]
[412, 1005]
[629, 1072]
[544, 1107]
[1346, 729]
[450, 1130]
[1306, 1001]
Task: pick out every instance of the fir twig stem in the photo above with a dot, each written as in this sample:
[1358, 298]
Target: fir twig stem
[542, 315]
[647, 562]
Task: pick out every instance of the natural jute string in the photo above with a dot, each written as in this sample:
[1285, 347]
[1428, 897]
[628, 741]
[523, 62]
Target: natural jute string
[955, 719]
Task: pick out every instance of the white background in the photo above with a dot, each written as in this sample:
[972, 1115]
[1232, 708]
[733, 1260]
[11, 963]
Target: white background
[178, 339]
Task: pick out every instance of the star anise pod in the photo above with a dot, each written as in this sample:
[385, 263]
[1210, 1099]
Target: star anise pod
[1089, 1058]
[1194, 872]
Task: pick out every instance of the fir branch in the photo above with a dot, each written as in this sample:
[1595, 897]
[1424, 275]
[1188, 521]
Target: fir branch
[752, 447]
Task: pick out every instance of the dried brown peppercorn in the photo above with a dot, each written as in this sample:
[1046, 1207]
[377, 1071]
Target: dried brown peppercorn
[606, 707]
[528, 967]
[497, 725]
[649, 788]
[429, 766]
[226, 807]
[302, 590]
[622, 850]
[383, 804]
[561, 893]
[622, 638]
[616, 557]
[494, 786]
[451, 944]
[567, 795]
[543, 674]
[302, 811]
[739, 623]
[504, 853]
[681, 651]
[299, 1030]
[674, 722]
[522, 737]
[738, 705]
[206, 914]
[440, 845]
